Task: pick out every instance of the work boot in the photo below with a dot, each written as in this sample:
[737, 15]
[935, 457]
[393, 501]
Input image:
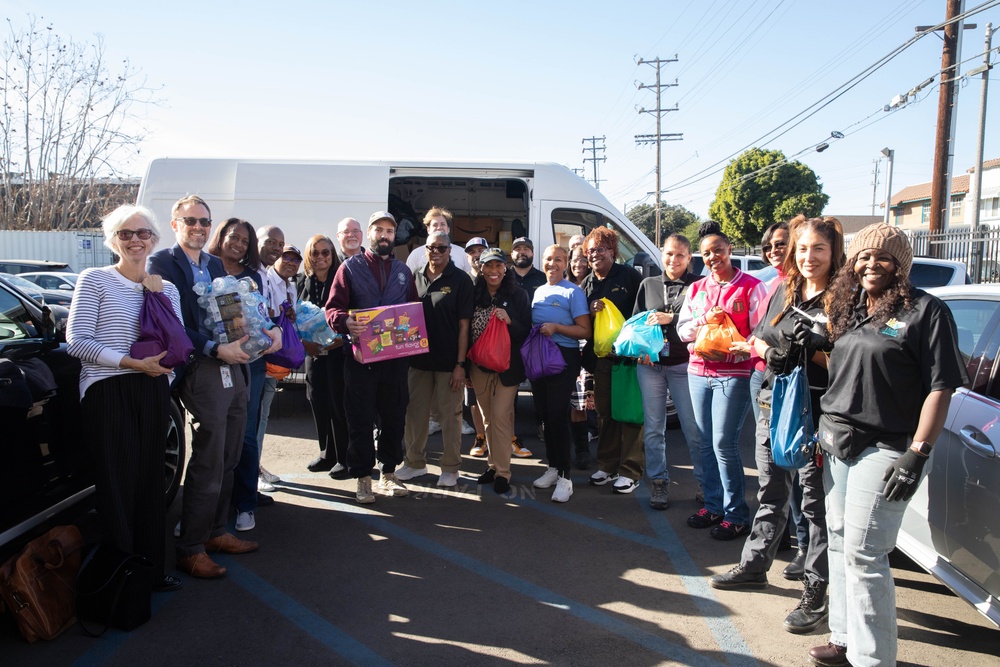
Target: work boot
[659, 497]
[812, 609]
[581, 443]
[795, 570]
[739, 579]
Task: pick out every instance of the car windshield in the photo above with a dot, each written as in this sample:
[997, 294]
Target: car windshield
[26, 285]
[930, 275]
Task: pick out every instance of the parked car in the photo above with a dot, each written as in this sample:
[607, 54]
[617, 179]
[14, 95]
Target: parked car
[748, 263]
[16, 266]
[44, 296]
[46, 470]
[54, 280]
[929, 272]
[951, 527]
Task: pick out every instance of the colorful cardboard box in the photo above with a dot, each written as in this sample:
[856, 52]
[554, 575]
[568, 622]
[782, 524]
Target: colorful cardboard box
[392, 332]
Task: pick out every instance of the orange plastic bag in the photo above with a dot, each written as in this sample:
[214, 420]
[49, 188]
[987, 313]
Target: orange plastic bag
[717, 336]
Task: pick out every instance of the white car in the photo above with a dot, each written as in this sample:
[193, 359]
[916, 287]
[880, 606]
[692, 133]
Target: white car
[951, 527]
[52, 279]
[930, 272]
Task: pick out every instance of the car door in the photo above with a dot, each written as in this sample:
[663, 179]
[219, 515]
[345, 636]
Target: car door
[967, 451]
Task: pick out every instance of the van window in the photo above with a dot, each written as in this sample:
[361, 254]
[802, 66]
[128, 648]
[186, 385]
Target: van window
[568, 222]
[15, 322]
[930, 275]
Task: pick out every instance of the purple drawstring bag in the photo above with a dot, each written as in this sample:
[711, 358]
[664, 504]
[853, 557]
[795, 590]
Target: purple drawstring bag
[292, 353]
[159, 330]
[541, 356]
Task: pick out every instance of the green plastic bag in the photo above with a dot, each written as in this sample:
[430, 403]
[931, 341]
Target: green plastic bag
[607, 324]
[626, 398]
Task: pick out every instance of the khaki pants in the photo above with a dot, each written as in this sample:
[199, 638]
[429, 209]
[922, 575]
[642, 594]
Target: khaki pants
[429, 388]
[497, 405]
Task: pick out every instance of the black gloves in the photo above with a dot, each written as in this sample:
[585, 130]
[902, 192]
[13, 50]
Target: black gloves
[777, 360]
[902, 477]
[811, 337]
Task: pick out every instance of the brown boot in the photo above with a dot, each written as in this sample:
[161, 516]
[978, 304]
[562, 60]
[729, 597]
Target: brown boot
[201, 566]
[228, 543]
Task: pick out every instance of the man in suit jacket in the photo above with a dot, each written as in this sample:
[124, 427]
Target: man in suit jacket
[213, 389]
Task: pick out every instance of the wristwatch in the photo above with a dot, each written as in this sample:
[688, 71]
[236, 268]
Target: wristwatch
[214, 351]
[921, 447]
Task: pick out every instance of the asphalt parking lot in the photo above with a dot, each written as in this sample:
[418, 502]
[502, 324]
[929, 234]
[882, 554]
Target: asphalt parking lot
[466, 576]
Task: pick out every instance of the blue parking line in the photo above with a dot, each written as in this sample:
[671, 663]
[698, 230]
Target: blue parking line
[107, 645]
[312, 624]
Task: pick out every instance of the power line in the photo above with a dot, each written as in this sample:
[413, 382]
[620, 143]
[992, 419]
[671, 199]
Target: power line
[659, 137]
[593, 148]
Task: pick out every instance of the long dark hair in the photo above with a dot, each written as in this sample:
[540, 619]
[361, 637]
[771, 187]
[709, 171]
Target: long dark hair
[481, 293]
[251, 258]
[844, 291]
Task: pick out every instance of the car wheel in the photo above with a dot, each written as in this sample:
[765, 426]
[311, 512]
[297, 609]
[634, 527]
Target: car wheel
[673, 421]
[174, 463]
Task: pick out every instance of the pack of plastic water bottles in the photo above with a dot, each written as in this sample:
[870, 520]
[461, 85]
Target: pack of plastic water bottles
[235, 309]
[311, 325]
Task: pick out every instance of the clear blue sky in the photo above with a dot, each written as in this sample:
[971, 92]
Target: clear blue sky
[529, 80]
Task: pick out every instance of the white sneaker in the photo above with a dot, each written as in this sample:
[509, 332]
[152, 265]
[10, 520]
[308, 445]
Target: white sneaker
[447, 479]
[625, 485]
[364, 494]
[245, 521]
[337, 467]
[433, 427]
[269, 477]
[264, 485]
[600, 478]
[467, 429]
[405, 472]
[546, 480]
[564, 489]
[388, 485]
[177, 529]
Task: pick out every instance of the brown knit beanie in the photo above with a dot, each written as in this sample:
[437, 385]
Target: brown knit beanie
[881, 236]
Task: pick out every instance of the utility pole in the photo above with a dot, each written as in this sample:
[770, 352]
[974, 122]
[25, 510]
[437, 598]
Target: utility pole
[877, 163]
[659, 137]
[890, 155]
[976, 182]
[945, 136]
[593, 156]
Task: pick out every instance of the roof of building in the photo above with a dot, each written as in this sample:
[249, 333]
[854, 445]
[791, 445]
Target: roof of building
[922, 192]
[855, 223]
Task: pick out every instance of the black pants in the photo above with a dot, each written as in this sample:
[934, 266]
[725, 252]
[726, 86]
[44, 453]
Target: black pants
[378, 392]
[552, 397]
[325, 392]
[126, 431]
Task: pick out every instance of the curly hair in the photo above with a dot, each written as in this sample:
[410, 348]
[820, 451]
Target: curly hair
[603, 237]
[844, 291]
[251, 258]
[831, 230]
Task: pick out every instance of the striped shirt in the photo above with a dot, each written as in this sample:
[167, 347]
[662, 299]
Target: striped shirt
[104, 322]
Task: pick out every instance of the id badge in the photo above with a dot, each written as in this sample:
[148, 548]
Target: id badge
[227, 376]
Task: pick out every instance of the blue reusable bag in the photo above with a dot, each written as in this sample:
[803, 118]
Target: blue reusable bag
[637, 339]
[793, 437]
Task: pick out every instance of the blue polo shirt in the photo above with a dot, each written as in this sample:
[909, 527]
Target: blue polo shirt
[561, 303]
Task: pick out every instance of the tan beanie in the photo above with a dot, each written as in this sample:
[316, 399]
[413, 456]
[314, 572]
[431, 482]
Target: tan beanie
[881, 236]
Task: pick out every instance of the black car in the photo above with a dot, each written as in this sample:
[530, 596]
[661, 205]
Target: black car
[46, 467]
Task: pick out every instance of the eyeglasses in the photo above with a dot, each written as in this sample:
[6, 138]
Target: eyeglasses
[127, 234]
[294, 259]
[768, 247]
[596, 250]
[191, 222]
[325, 252]
[438, 248]
[349, 232]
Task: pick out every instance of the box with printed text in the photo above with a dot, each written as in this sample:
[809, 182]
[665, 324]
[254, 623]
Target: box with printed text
[392, 332]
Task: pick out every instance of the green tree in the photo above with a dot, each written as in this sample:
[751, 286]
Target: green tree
[760, 188]
[672, 219]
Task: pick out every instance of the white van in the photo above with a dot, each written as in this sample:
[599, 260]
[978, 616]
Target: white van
[499, 201]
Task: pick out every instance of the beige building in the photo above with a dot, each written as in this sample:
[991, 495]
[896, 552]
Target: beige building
[911, 206]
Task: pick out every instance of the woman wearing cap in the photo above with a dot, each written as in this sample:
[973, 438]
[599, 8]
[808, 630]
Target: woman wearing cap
[496, 293]
[560, 310]
[893, 368]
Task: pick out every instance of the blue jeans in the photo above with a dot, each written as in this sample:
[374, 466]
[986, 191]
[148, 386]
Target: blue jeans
[245, 474]
[654, 381]
[266, 398]
[862, 528]
[720, 408]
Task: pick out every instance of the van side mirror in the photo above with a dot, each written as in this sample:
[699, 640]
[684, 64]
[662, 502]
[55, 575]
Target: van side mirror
[645, 265]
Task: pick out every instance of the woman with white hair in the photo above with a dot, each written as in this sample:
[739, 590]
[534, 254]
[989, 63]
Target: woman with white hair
[126, 400]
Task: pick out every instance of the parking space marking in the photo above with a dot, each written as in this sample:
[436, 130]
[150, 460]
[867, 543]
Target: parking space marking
[103, 649]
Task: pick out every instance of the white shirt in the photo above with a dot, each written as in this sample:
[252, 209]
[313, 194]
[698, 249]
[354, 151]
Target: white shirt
[278, 291]
[418, 258]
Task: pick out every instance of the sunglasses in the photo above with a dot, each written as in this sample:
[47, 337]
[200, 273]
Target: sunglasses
[294, 259]
[438, 248]
[191, 222]
[766, 248]
[127, 234]
[325, 252]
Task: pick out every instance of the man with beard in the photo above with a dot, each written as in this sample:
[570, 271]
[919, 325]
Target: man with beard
[348, 238]
[522, 254]
[378, 391]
